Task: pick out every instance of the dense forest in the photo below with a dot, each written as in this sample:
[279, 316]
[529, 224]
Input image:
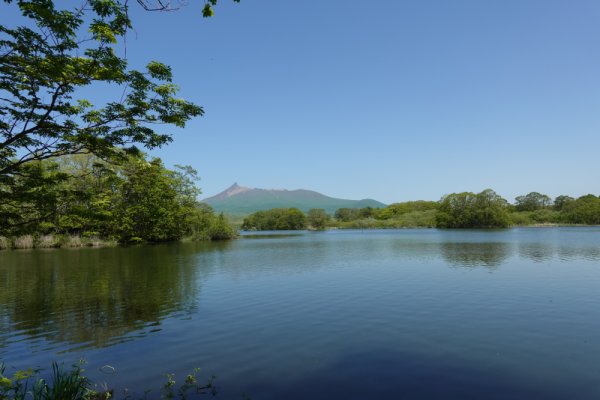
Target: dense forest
[457, 210]
[80, 200]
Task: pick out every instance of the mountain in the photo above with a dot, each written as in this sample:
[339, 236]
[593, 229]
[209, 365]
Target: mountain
[242, 200]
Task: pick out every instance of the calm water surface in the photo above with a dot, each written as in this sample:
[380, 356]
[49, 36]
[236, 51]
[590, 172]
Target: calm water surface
[406, 314]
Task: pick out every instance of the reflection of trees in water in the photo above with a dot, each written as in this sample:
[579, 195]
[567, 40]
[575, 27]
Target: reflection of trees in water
[536, 252]
[95, 296]
[541, 252]
[588, 253]
[489, 255]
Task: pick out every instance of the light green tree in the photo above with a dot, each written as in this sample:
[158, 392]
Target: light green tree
[469, 210]
[317, 218]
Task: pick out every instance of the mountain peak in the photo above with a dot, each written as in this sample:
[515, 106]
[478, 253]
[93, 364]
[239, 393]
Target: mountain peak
[230, 191]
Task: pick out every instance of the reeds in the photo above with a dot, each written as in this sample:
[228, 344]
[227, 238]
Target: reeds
[52, 241]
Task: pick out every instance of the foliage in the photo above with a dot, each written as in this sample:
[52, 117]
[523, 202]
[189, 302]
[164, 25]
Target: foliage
[44, 64]
[317, 218]
[275, 219]
[415, 219]
[470, 210]
[73, 385]
[30, 197]
[346, 214]
[220, 229]
[79, 198]
[584, 210]
[542, 216]
[397, 209]
[150, 206]
[350, 214]
[562, 202]
[30, 385]
[532, 201]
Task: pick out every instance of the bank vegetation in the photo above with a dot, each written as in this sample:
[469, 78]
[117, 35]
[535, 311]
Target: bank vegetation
[483, 210]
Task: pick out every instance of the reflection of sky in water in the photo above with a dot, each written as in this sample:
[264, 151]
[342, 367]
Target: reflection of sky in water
[338, 314]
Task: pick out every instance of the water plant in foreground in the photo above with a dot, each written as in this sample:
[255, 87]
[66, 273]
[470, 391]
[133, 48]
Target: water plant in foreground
[72, 384]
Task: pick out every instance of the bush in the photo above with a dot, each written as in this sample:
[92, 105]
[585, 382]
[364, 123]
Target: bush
[220, 229]
[521, 218]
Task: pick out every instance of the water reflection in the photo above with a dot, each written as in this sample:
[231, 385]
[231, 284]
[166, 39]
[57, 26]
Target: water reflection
[95, 297]
[98, 297]
[488, 255]
[543, 252]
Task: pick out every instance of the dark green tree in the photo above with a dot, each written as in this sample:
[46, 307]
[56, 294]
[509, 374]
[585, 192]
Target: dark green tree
[562, 202]
[532, 201]
[32, 199]
[346, 214]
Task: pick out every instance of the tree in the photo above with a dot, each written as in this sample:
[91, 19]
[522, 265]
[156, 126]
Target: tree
[532, 201]
[469, 210]
[317, 218]
[31, 199]
[152, 205]
[275, 219]
[584, 210]
[561, 202]
[346, 214]
[220, 229]
[46, 61]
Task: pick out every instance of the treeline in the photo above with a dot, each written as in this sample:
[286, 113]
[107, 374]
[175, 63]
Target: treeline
[82, 200]
[457, 210]
[278, 219]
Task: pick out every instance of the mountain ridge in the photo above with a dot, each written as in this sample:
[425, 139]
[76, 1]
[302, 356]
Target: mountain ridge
[238, 199]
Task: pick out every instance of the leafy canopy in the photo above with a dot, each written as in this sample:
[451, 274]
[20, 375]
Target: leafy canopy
[44, 64]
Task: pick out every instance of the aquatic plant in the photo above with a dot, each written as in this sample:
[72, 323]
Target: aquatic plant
[71, 384]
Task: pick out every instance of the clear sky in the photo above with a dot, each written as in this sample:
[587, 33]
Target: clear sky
[392, 100]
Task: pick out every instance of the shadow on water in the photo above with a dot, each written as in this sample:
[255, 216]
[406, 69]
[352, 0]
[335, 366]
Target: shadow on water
[96, 297]
[386, 375]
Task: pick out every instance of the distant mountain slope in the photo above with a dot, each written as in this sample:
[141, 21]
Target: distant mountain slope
[241, 200]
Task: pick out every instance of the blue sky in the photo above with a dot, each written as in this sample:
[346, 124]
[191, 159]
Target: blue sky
[392, 100]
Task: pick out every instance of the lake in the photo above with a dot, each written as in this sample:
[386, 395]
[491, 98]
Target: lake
[376, 314]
